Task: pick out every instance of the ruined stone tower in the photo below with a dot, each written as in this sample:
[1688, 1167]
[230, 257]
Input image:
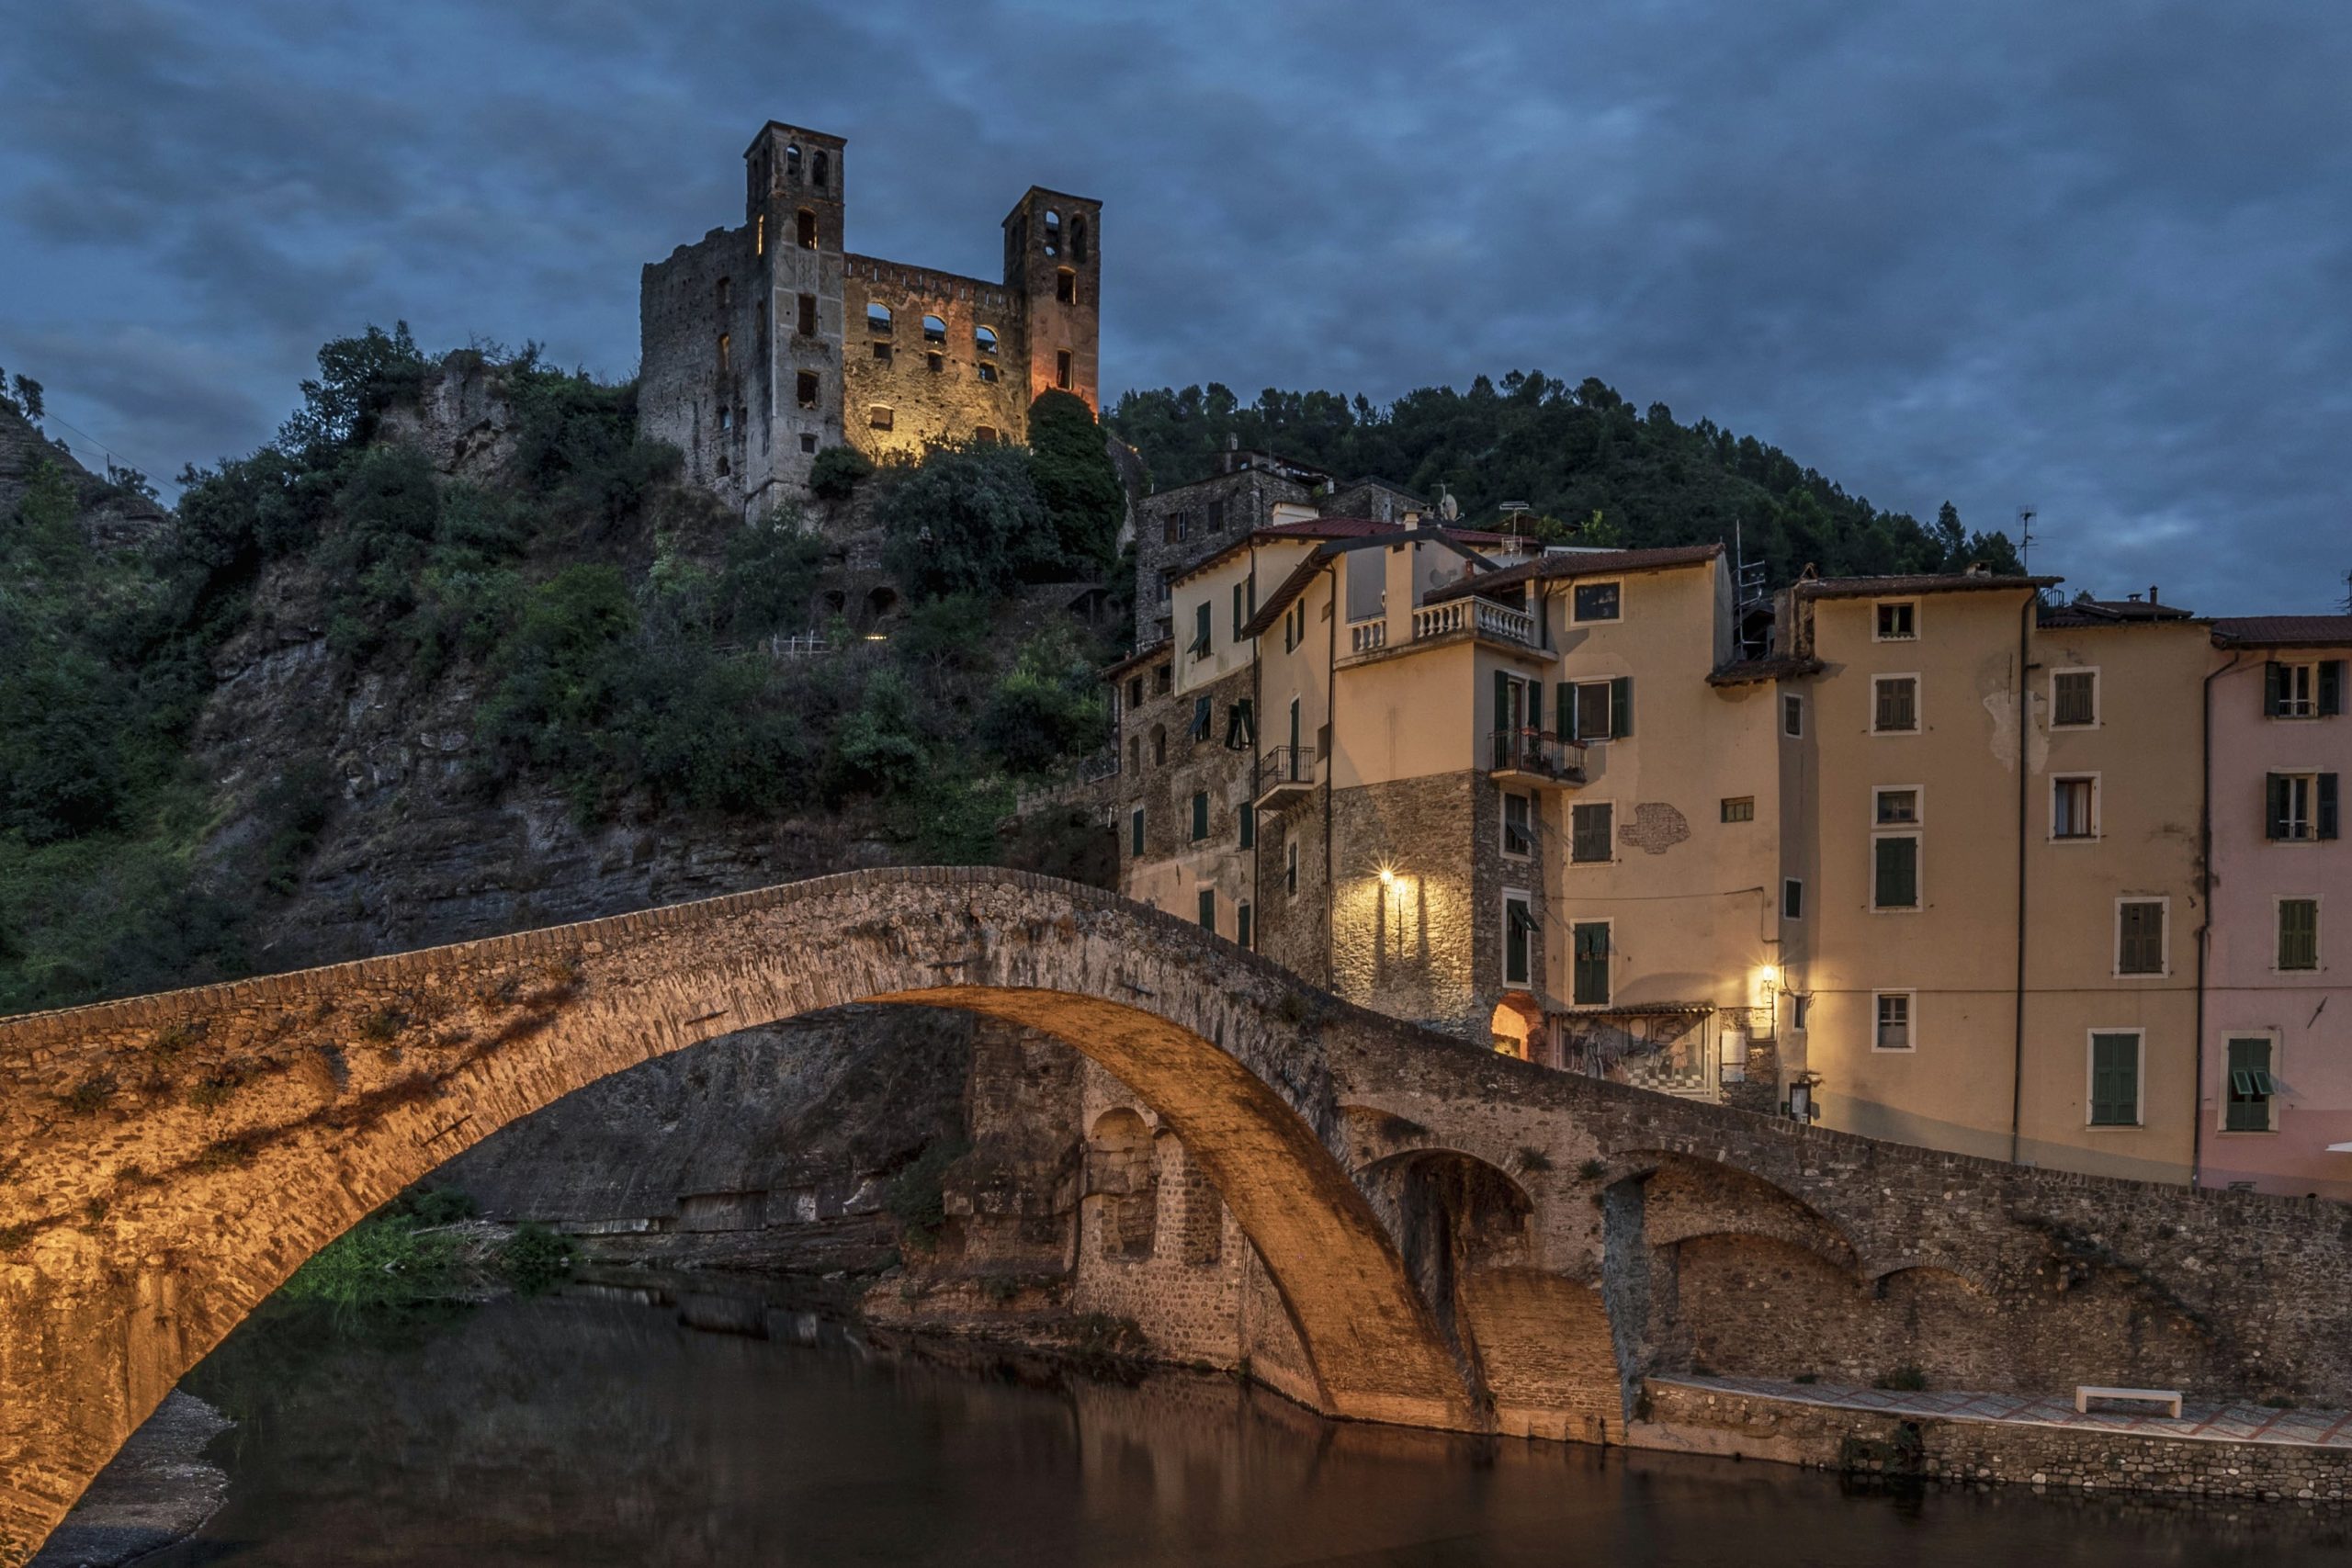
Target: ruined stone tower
[764, 345]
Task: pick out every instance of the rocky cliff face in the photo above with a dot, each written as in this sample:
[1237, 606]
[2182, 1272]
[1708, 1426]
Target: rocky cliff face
[111, 517]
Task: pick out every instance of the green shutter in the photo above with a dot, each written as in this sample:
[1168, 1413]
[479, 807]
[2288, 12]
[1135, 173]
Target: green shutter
[2331, 688]
[1134, 832]
[1621, 707]
[2115, 1080]
[1241, 926]
[2299, 933]
[1534, 704]
[1898, 873]
[2247, 1106]
[2274, 684]
[2275, 814]
[1502, 701]
[1248, 815]
[1564, 699]
[1208, 908]
[1200, 814]
[2326, 806]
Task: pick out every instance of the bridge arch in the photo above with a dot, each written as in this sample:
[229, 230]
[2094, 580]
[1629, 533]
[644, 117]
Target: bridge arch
[176, 1157]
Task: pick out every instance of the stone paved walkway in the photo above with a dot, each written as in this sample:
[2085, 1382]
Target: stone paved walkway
[2208, 1423]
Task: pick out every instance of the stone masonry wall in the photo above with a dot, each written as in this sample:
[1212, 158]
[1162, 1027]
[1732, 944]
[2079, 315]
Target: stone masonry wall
[1410, 948]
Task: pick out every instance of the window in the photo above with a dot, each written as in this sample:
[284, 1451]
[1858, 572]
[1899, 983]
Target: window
[1898, 622]
[2115, 1078]
[988, 373]
[808, 438]
[1589, 980]
[1519, 833]
[1134, 832]
[1246, 819]
[1242, 929]
[1739, 808]
[878, 319]
[879, 417]
[726, 420]
[1597, 710]
[1290, 868]
[1066, 287]
[2246, 1106]
[725, 293]
[1894, 807]
[725, 467]
[882, 353]
[2301, 807]
[2073, 807]
[2298, 933]
[1200, 645]
[1894, 704]
[1200, 814]
[1241, 724]
[1163, 677]
[818, 178]
[1208, 908]
[1061, 369]
[1800, 1006]
[2074, 699]
[1053, 231]
[1158, 745]
[1792, 900]
[1895, 871]
[2303, 690]
[1890, 1022]
[726, 354]
[1240, 593]
[1217, 516]
[934, 363]
[984, 433]
[984, 342]
[1134, 753]
[934, 331]
[804, 387]
[1077, 239]
[792, 161]
[1519, 939]
[1202, 707]
[2140, 935]
[760, 236]
[1135, 692]
[1791, 716]
[807, 325]
[1591, 829]
[807, 234]
[1597, 601]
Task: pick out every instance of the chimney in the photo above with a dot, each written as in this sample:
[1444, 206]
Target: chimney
[2152, 593]
[2134, 598]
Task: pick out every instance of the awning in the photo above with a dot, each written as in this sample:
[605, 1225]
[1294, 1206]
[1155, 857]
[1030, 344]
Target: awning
[2340, 1148]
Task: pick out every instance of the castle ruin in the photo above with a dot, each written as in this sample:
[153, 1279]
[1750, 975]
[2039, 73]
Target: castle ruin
[763, 345]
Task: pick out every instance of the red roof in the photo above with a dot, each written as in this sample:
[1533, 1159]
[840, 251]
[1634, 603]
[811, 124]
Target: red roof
[1917, 582]
[1324, 528]
[1554, 568]
[2283, 631]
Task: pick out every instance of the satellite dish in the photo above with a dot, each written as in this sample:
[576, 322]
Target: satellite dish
[1448, 508]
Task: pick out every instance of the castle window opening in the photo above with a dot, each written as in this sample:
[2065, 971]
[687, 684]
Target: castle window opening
[1077, 239]
[1061, 369]
[808, 441]
[935, 362]
[882, 353]
[984, 339]
[877, 318]
[984, 433]
[987, 372]
[1053, 233]
[725, 292]
[808, 229]
[808, 323]
[725, 417]
[726, 356]
[792, 161]
[804, 387]
[724, 467]
[822, 168]
[1066, 287]
[879, 417]
[934, 331]
[760, 235]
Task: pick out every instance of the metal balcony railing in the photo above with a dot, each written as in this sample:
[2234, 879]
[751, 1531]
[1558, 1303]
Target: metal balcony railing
[1285, 767]
[1537, 751]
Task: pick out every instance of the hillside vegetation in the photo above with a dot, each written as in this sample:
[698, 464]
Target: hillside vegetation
[1595, 469]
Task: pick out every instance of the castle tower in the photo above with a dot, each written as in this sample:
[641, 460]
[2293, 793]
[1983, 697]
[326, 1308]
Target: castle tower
[795, 182]
[1053, 261]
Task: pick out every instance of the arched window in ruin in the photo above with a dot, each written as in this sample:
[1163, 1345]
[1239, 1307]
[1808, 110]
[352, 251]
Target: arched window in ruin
[1066, 287]
[792, 161]
[934, 331]
[1120, 1187]
[1053, 233]
[725, 293]
[823, 168]
[835, 601]
[1158, 745]
[808, 229]
[878, 319]
[984, 340]
[880, 601]
[1077, 239]
[726, 354]
[760, 236]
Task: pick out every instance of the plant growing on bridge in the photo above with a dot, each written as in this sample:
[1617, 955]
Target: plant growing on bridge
[916, 1197]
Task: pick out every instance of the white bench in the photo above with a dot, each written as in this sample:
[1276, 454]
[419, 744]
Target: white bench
[2167, 1397]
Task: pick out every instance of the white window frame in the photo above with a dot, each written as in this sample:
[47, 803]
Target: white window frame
[1504, 826]
[2222, 1099]
[1575, 702]
[1787, 698]
[2164, 942]
[1879, 604]
[1919, 794]
[1910, 1022]
[2098, 809]
[2309, 699]
[1609, 922]
[2139, 1122]
[1525, 900]
[2309, 778]
[1616, 583]
[2098, 696]
[1918, 702]
[2319, 937]
[1569, 858]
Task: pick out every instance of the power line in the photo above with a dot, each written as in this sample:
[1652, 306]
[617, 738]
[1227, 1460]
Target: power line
[152, 476]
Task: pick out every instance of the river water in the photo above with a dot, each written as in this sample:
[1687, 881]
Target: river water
[643, 1426]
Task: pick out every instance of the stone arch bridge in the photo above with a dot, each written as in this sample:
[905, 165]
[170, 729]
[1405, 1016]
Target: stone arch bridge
[1459, 1239]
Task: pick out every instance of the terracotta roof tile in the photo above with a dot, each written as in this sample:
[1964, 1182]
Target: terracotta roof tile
[1580, 563]
[2283, 631]
[1917, 582]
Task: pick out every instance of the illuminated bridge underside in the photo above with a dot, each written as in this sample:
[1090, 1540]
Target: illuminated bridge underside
[1460, 1240]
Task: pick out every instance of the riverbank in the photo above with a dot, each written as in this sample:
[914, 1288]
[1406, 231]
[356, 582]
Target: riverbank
[160, 1489]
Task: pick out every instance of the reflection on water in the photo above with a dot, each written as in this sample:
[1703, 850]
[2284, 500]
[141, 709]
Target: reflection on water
[641, 1427]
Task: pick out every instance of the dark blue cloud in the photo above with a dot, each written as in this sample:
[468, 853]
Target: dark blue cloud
[2092, 258]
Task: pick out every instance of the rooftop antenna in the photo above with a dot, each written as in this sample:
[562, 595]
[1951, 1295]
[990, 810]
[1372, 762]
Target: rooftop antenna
[2025, 514]
[1511, 508]
[1447, 507]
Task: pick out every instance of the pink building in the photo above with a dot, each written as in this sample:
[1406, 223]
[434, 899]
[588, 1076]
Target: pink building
[2275, 1094]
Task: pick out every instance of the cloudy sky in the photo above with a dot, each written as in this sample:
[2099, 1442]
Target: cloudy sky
[2096, 258]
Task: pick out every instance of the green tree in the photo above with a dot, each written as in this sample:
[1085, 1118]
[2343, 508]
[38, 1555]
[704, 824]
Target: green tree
[1049, 707]
[967, 520]
[359, 379]
[1084, 500]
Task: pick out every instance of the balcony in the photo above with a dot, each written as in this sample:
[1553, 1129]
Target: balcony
[1367, 636]
[1534, 756]
[1484, 617]
[1284, 773]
